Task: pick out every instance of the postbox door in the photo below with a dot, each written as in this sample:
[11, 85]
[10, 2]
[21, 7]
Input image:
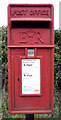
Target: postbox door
[29, 101]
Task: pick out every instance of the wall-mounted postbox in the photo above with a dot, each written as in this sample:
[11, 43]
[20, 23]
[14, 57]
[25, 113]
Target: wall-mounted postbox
[30, 58]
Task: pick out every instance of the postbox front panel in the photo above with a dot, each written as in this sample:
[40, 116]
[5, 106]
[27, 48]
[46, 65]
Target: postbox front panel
[30, 36]
[30, 59]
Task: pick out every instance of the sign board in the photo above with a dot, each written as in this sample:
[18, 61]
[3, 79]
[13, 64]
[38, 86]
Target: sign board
[30, 76]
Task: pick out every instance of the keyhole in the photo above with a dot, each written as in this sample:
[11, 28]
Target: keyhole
[18, 79]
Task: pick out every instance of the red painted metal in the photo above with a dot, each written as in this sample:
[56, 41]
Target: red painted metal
[31, 46]
[31, 26]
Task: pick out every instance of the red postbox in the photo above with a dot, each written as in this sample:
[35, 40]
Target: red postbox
[30, 58]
